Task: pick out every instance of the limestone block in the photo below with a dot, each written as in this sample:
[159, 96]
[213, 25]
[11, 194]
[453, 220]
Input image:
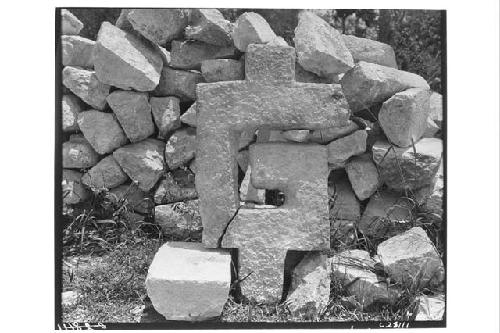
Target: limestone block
[402, 169]
[367, 84]
[77, 51]
[132, 197]
[84, 84]
[320, 48]
[106, 174]
[412, 260]
[174, 82]
[189, 117]
[126, 61]
[326, 135]
[363, 176]
[180, 147]
[166, 114]
[71, 107]
[251, 28]
[70, 24]
[248, 193]
[190, 54]
[296, 135]
[181, 220]
[340, 150]
[102, 130]
[78, 154]
[169, 191]
[430, 307]
[215, 70]
[368, 50]
[159, 25]
[345, 204]
[264, 63]
[436, 105]
[73, 190]
[209, 26]
[143, 162]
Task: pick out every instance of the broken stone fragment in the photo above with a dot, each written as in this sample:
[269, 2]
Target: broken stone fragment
[73, 191]
[403, 169]
[251, 28]
[180, 147]
[123, 23]
[78, 154]
[431, 128]
[190, 54]
[363, 176]
[248, 193]
[189, 282]
[106, 174]
[181, 220]
[126, 61]
[301, 75]
[209, 26]
[189, 117]
[296, 135]
[327, 135]
[243, 159]
[430, 198]
[70, 24]
[159, 25]
[436, 105]
[345, 205]
[368, 50]
[412, 260]
[340, 150]
[166, 113]
[430, 307]
[180, 83]
[215, 70]
[143, 162]
[169, 191]
[77, 51]
[71, 107]
[132, 197]
[367, 84]
[133, 112]
[320, 48]
[102, 130]
[85, 85]
[403, 117]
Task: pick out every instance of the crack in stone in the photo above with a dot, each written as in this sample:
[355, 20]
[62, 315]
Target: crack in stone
[219, 242]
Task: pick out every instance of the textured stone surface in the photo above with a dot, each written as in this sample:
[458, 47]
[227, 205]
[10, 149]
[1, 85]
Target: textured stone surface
[267, 135]
[126, 61]
[301, 75]
[345, 204]
[78, 154]
[320, 48]
[387, 214]
[301, 223]
[310, 288]
[248, 193]
[412, 260]
[73, 191]
[143, 162]
[215, 70]
[340, 150]
[71, 107]
[133, 112]
[180, 147]
[174, 82]
[363, 176]
[270, 64]
[159, 25]
[181, 220]
[430, 197]
[402, 169]
[77, 51]
[189, 117]
[166, 114]
[368, 50]
[243, 158]
[431, 128]
[246, 137]
[106, 174]
[430, 307]
[190, 54]
[403, 117]
[209, 26]
[367, 84]
[132, 197]
[123, 23]
[70, 24]
[436, 105]
[102, 130]
[85, 85]
[251, 28]
[326, 135]
[296, 135]
[355, 270]
[188, 282]
[170, 191]
[227, 108]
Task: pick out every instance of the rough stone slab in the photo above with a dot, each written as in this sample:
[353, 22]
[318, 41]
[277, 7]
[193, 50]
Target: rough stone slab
[78, 154]
[436, 105]
[363, 175]
[412, 260]
[181, 220]
[402, 169]
[327, 135]
[70, 24]
[296, 135]
[132, 197]
[430, 307]
[209, 26]
[102, 130]
[355, 270]
[159, 25]
[143, 162]
[367, 84]
[189, 117]
[77, 51]
[188, 282]
[340, 150]
[215, 70]
[403, 117]
[133, 112]
[248, 193]
[368, 50]
[85, 85]
[271, 64]
[320, 48]
[169, 191]
[251, 28]
[106, 174]
[126, 61]
[387, 214]
[180, 147]
[345, 204]
[190, 54]
[73, 191]
[71, 107]
[166, 113]
[310, 288]
[175, 82]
